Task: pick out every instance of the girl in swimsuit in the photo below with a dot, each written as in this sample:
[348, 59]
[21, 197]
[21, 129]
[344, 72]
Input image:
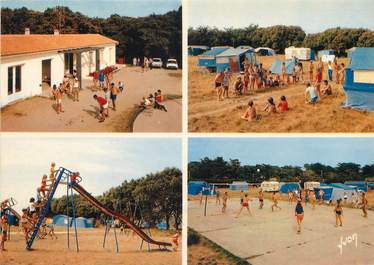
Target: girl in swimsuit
[275, 202]
[261, 199]
[299, 214]
[245, 204]
[224, 202]
[338, 213]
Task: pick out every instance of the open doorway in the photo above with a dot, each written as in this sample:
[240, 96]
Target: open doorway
[68, 63]
[46, 76]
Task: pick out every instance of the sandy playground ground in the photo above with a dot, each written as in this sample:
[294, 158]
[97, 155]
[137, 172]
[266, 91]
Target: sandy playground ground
[207, 114]
[270, 237]
[37, 113]
[48, 251]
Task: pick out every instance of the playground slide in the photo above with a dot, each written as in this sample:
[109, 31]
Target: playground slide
[109, 212]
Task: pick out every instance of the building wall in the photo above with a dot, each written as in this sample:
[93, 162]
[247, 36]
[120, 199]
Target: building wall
[108, 56]
[31, 75]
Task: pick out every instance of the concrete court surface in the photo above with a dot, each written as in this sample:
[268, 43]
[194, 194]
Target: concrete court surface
[270, 237]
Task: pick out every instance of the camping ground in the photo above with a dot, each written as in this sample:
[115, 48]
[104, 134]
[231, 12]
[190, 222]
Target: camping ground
[37, 113]
[270, 236]
[48, 251]
[206, 114]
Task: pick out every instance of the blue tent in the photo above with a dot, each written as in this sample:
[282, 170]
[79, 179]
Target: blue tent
[194, 50]
[341, 186]
[276, 68]
[62, 220]
[91, 222]
[361, 185]
[82, 223]
[286, 187]
[328, 192]
[359, 76]
[234, 58]
[195, 187]
[326, 52]
[208, 58]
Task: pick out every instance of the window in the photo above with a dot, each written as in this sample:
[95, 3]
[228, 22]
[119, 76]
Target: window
[18, 78]
[10, 80]
[14, 79]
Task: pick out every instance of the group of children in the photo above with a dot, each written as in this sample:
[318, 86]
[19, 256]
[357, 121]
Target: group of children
[154, 100]
[69, 86]
[110, 95]
[271, 107]
[30, 215]
[301, 197]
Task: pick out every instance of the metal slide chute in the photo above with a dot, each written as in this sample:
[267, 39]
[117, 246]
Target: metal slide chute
[92, 200]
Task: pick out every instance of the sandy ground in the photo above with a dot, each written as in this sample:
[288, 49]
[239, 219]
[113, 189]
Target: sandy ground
[151, 120]
[38, 114]
[47, 251]
[206, 114]
[203, 254]
[270, 237]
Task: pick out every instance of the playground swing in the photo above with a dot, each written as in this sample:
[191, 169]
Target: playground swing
[141, 222]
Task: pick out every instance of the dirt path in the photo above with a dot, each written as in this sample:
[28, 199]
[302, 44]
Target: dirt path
[37, 113]
[160, 121]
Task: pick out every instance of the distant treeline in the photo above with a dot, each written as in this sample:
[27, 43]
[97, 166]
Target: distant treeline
[220, 170]
[151, 36]
[280, 37]
[152, 199]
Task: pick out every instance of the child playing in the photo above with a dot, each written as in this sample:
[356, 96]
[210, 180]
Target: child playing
[103, 107]
[121, 86]
[326, 89]
[244, 204]
[175, 241]
[224, 202]
[238, 86]
[283, 104]
[218, 85]
[226, 83]
[43, 186]
[58, 98]
[338, 213]
[25, 223]
[270, 106]
[4, 233]
[364, 205]
[275, 202]
[261, 199]
[311, 70]
[311, 91]
[250, 114]
[113, 94]
[299, 213]
[158, 100]
[284, 74]
[52, 173]
[76, 89]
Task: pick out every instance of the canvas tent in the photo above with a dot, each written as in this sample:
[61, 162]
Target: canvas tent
[310, 185]
[276, 67]
[359, 79]
[270, 186]
[264, 51]
[361, 185]
[239, 185]
[62, 220]
[327, 192]
[303, 54]
[292, 186]
[327, 55]
[83, 223]
[234, 58]
[195, 187]
[208, 58]
[195, 50]
[340, 193]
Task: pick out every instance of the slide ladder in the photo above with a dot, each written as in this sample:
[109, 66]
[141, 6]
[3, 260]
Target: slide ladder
[61, 173]
[92, 200]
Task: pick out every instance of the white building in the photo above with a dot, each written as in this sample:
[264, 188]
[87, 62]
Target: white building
[33, 62]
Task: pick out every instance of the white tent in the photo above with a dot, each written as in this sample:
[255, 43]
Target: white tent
[298, 53]
[310, 185]
[270, 186]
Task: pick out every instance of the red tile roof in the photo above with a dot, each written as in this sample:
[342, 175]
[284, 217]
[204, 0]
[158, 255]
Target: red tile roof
[15, 44]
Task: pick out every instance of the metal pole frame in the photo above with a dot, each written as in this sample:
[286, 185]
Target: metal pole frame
[106, 231]
[67, 211]
[115, 233]
[74, 219]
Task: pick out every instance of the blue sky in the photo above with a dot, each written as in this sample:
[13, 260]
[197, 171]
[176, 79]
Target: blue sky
[101, 8]
[312, 15]
[285, 151]
[103, 161]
